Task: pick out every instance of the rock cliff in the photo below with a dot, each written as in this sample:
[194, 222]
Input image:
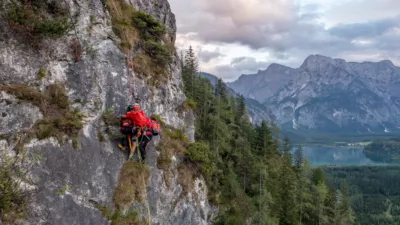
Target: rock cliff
[75, 176]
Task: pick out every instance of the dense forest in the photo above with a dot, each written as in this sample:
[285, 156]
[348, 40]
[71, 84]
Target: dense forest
[374, 192]
[250, 171]
[385, 151]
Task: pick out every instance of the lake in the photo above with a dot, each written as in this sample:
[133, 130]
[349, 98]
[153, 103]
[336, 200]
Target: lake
[320, 155]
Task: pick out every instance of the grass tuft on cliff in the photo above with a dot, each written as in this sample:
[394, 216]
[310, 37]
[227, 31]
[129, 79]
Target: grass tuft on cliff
[139, 29]
[112, 122]
[117, 217]
[175, 143]
[172, 143]
[130, 218]
[59, 120]
[132, 184]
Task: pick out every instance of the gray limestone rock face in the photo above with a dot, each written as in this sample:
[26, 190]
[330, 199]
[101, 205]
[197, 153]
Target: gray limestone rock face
[16, 115]
[167, 201]
[69, 180]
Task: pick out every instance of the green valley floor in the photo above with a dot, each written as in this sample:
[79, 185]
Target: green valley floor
[374, 192]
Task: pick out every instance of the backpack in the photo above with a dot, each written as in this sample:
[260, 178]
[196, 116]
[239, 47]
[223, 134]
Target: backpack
[155, 127]
[126, 124]
[139, 118]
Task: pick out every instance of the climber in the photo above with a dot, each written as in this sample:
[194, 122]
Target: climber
[126, 125]
[134, 124]
[139, 128]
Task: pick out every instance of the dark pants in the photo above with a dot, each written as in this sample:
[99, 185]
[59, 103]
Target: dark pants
[126, 131]
[143, 141]
[129, 131]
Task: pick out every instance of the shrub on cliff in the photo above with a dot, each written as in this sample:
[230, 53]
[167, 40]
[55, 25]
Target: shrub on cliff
[139, 29]
[35, 19]
[148, 26]
[14, 198]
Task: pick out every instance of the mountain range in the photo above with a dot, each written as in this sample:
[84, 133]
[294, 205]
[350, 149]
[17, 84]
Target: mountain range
[325, 95]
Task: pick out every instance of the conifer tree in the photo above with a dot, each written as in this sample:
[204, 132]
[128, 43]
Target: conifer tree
[240, 109]
[289, 212]
[298, 157]
[318, 176]
[345, 211]
[189, 71]
[286, 150]
[221, 90]
[304, 196]
[191, 61]
[320, 194]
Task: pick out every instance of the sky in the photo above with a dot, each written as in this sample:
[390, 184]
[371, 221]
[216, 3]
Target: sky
[234, 37]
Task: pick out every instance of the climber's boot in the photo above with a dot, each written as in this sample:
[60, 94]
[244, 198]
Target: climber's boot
[121, 147]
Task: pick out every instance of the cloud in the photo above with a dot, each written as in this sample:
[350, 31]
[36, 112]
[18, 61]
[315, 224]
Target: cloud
[366, 29]
[247, 63]
[248, 22]
[206, 56]
[239, 66]
[250, 34]
[275, 25]
[360, 11]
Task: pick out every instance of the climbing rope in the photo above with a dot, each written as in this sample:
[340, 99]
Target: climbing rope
[129, 57]
[127, 69]
[115, 8]
[143, 181]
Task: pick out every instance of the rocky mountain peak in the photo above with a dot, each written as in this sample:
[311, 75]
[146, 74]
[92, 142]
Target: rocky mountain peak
[275, 67]
[387, 63]
[319, 62]
[264, 83]
[268, 73]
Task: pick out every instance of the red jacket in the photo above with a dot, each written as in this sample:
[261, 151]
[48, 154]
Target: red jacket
[139, 118]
